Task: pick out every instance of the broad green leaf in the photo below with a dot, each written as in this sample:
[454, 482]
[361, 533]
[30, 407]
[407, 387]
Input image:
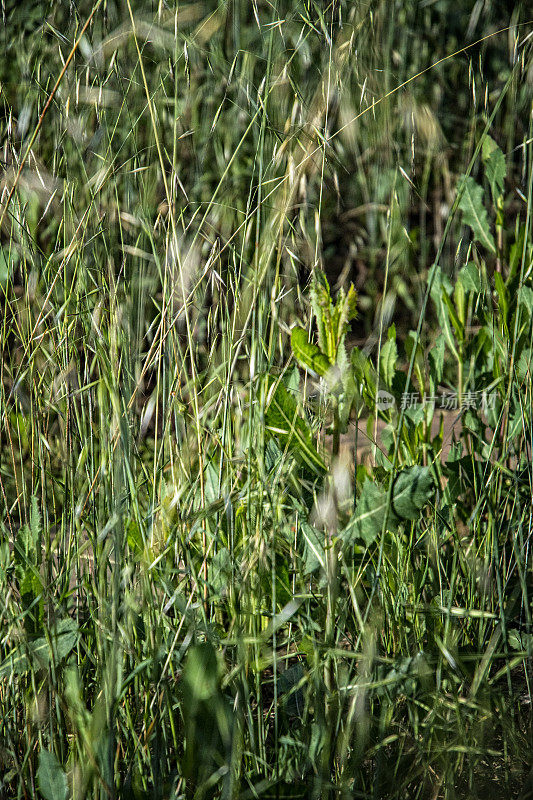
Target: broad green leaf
[387, 360]
[364, 375]
[412, 341]
[524, 365]
[211, 483]
[282, 419]
[27, 553]
[367, 521]
[5, 268]
[520, 640]
[495, 168]
[37, 654]
[415, 414]
[413, 488]
[314, 553]
[518, 248]
[220, 570]
[134, 538]
[359, 364]
[35, 521]
[475, 214]
[436, 360]
[64, 638]
[292, 697]
[207, 716]
[5, 561]
[16, 663]
[51, 778]
[201, 672]
[292, 380]
[470, 278]
[525, 297]
[516, 425]
[346, 398]
[308, 354]
[440, 288]
[273, 454]
[29, 581]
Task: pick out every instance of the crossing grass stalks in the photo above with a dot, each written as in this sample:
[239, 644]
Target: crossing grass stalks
[203, 593]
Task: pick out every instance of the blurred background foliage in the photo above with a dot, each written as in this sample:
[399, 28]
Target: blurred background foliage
[326, 65]
[164, 629]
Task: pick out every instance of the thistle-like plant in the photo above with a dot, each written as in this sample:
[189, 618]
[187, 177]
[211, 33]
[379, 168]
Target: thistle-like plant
[328, 359]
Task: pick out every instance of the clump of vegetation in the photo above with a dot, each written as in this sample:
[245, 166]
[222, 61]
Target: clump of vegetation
[236, 239]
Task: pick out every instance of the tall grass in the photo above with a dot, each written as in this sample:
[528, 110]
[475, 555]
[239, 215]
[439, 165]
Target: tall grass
[190, 606]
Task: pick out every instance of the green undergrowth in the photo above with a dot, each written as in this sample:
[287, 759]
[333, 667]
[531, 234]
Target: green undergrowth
[232, 235]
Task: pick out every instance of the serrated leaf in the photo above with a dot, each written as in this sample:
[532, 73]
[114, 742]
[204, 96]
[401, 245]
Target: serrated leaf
[309, 355]
[495, 167]
[345, 310]
[351, 303]
[475, 213]
[283, 420]
[322, 309]
[332, 319]
[51, 778]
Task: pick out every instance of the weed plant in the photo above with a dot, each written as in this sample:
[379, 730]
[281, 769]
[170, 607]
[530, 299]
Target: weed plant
[229, 232]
